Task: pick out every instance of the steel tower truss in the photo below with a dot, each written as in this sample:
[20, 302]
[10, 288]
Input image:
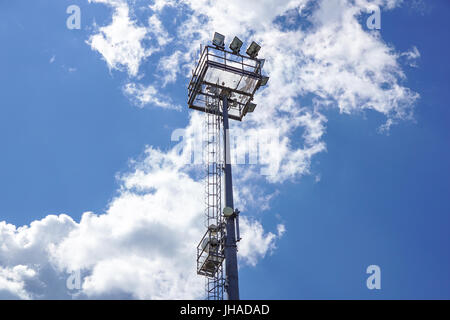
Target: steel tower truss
[211, 247]
[222, 86]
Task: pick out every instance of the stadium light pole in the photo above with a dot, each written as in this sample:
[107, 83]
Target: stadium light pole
[228, 80]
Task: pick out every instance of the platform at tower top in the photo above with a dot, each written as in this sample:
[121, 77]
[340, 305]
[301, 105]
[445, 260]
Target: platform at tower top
[219, 70]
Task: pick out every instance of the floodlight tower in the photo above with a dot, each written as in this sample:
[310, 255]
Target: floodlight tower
[223, 85]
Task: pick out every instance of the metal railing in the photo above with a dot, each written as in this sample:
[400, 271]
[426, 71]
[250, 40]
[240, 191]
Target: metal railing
[228, 62]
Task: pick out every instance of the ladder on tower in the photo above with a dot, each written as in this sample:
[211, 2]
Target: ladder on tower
[210, 250]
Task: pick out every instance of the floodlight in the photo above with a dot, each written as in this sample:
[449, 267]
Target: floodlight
[251, 107]
[236, 45]
[253, 50]
[264, 81]
[219, 40]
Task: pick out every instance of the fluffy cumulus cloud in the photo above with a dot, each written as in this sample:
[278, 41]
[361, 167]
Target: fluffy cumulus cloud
[12, 282]
[142, 95]
[314, 49]
[121, 42]
[318, 56]
[142, 247]
[318, 50]
[256, 243]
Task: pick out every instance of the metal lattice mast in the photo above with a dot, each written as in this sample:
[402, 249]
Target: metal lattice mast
[213, 192]
[223, 85]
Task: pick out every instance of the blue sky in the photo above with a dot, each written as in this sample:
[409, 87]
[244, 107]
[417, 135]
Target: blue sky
[68, 131]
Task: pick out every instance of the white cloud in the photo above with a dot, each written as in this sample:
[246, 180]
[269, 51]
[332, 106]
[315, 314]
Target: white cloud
[256, 244]
[148, 95]
[143, 247]
[333, 60]
[159, 5]
[12, 282]
[411, 56]
[120, 43]
[156, 28]
[170, 66]
[354, 68]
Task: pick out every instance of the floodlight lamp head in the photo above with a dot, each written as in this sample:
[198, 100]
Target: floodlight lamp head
[264, 81]
[219, 40]
[251, 107]
[253, 50]
[236, 45]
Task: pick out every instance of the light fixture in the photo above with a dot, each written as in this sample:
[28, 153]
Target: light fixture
[251, 107]
[264, 81]
[213, 229]
[219, 40]
[253, 50]
[228, 212]
[236, 45]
